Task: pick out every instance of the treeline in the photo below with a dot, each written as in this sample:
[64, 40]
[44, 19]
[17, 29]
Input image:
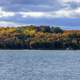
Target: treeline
[39, 38]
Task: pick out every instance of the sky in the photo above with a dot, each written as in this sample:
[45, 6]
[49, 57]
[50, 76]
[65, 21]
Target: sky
[64, 13]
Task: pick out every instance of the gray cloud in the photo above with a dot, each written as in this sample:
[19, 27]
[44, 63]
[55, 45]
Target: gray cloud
[33, 5]
[72, 5]
[52, 8]
[38, 5]
[28, 2]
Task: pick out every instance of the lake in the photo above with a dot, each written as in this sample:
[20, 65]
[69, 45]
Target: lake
[39, 65]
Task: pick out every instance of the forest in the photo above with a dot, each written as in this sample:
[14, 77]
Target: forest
[39, 38]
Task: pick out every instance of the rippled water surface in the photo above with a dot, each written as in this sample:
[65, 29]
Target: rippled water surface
[39, 65]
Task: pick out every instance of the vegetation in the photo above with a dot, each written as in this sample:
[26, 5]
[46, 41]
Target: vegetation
[41, 37]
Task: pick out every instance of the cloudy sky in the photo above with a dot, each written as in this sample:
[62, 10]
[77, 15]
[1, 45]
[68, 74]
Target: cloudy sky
[65, 13]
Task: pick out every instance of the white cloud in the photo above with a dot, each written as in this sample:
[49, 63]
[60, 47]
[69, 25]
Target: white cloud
[76, 13]
[5, 13]
[68, 13]
[31, 14]
[37, 14]
[65, 1]
[8, 23]
[62, 12]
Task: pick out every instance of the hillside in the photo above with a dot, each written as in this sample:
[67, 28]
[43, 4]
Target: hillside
[42, 37]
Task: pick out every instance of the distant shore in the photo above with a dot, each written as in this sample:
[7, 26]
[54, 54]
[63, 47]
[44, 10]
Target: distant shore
[39, 38]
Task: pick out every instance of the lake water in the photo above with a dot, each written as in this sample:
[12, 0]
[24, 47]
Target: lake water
[39, 65]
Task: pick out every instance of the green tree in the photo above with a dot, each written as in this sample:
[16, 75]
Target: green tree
[56, 30]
